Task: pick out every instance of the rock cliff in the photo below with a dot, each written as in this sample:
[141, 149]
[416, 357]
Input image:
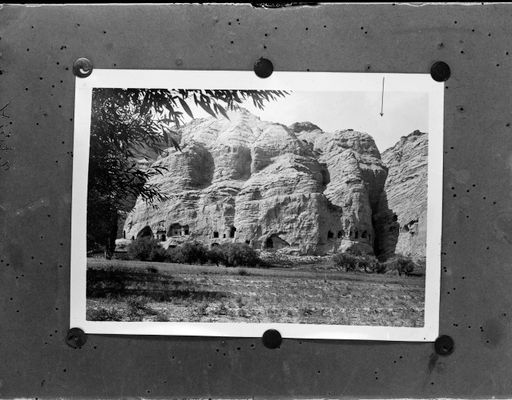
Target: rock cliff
[274, 187]
[402, 217]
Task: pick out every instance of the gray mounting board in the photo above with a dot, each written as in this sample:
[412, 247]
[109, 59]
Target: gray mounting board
[38, 45]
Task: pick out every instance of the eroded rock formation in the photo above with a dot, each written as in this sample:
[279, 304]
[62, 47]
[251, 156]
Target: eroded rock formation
[271, 186]
[402, 217]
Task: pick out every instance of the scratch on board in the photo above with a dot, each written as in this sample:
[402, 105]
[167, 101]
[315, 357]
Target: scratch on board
[32, 206]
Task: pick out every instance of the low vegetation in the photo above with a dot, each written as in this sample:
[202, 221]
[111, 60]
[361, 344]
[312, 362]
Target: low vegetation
[146, 249]
[355, 261]
[243, 255]
[401, 264]
[229, 254]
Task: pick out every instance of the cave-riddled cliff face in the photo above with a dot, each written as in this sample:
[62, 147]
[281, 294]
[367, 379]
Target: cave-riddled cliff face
[268, 185]
[402, 217]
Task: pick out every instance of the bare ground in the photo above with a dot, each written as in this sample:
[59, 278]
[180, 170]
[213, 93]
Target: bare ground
[146, 291]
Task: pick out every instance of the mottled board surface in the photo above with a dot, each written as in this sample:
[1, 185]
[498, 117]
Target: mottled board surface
[38, 46]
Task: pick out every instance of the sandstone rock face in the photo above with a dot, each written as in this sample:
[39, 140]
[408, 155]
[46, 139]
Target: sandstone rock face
[244, 180]
[355, 176]
[402, 217]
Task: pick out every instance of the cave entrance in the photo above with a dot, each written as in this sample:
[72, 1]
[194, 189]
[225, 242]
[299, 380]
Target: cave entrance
[145, 232]
[275, 242]
[174, 230]
[177, 229]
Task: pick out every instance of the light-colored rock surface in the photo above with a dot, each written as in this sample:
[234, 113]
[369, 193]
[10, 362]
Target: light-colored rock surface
[402, 221]
[245, 180]
[356, 177]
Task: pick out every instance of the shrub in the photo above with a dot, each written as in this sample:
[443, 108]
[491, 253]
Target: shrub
[193, 252]
[173, 255]
[188, 253]
[368, 263]
[400, 263]
[380, 268]
[229, 254]
[345, 260]
[146, 249]
[351, 261]
[158, 254]
[216, 255]
[239, 254]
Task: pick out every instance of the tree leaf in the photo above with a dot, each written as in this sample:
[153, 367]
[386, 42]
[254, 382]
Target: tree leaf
[185, 106]
[222, 110]
[207, 108]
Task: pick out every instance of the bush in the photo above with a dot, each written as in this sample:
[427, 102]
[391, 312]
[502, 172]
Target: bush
[358, 261]
[216, 255]
[194, 252]
[229, 254]
[158, 254]
[368, 263]
[146, 249]
[188, 253]
[173, 255]
[239, 254]
[352, 261]
[345, 260]
[402, 264]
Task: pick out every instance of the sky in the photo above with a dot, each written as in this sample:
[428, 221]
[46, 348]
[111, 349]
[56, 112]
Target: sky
[404, 112]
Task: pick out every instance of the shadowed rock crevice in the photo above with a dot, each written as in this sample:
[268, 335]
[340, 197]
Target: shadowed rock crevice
[386, 229]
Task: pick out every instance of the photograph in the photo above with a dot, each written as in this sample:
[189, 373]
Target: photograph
[218, 203]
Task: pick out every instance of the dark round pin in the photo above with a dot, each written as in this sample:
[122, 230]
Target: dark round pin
[76, 338]
[263, 68]
[272, 339]
[440, 71]
[82, 67]
[444, 345]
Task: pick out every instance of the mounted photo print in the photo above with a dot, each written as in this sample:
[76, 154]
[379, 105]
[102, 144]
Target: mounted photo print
[217, 203]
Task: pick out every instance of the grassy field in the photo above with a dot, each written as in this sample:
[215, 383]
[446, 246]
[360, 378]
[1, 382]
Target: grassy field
[147, 291]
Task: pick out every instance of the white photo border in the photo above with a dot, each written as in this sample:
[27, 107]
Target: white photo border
[303, 81]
